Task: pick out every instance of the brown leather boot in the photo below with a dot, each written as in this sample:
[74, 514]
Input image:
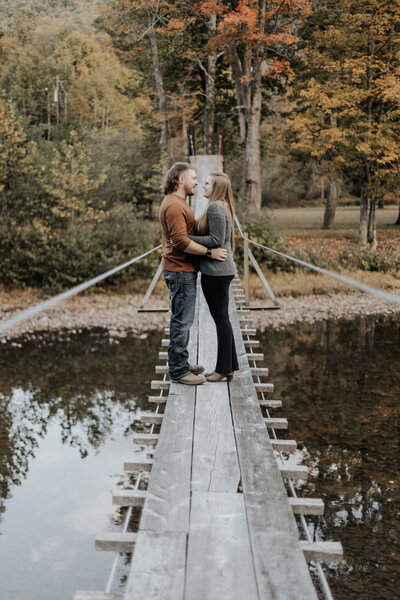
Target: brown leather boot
[191, 379]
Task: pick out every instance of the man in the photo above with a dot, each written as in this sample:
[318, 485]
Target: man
[180, 269]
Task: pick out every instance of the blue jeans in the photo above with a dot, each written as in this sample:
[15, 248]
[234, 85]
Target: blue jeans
[182, 294]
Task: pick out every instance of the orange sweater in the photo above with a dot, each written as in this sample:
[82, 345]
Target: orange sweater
[177, 222]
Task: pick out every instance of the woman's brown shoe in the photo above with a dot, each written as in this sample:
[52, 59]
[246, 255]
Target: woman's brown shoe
[213, 377]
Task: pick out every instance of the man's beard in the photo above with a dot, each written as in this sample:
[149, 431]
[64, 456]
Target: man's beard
[189, 191]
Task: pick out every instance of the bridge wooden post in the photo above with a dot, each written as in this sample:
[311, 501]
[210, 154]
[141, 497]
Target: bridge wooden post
[246, 268]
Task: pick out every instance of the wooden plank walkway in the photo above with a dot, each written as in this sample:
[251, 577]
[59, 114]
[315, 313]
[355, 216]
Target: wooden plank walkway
[216, 521]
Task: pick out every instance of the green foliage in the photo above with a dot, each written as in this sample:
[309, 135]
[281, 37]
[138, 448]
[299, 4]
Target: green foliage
[68, 179]
[30, 256]
[370, 260]
[261, 230]
[16, 151]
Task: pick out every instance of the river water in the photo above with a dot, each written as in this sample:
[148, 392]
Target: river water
[68, 406]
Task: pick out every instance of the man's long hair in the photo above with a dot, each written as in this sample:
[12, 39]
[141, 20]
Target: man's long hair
[172, 180]
[220, 190]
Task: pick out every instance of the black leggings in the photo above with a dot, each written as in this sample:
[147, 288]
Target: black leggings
[216, 292]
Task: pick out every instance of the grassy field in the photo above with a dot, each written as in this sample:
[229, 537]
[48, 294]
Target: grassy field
[301, 228]
[298, 220]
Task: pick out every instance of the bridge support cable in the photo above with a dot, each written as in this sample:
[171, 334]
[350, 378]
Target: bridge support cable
[28, 313]
[378, 293]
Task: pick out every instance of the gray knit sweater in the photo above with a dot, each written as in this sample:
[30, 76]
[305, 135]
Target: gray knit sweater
[219, 227]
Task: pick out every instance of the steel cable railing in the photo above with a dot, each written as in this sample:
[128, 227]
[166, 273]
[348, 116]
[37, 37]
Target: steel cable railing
[28, 313]
[392, 298]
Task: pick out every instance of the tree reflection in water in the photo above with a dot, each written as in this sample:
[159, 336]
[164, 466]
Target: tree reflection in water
[86, 383]
[340, 387]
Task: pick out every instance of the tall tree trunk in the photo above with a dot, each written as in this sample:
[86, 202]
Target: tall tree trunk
[372, 225]
[184, 138]
[331, 202]
[252, 160]
[162, 102]
[210, 73]
[248, 96]
[364, 206]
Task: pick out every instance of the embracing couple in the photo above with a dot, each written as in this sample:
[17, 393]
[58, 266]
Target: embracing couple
[189, 246]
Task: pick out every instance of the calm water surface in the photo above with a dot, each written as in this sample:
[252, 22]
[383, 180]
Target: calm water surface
[340, 387]
[67, 408]
[69, 403]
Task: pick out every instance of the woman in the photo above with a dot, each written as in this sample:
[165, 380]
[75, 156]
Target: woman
[215, 227]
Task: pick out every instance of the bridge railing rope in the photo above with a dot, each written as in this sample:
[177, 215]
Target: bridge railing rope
[392, 298]
[28, 313]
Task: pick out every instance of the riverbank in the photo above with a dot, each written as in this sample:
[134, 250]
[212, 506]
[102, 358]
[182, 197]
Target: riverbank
[118, 313]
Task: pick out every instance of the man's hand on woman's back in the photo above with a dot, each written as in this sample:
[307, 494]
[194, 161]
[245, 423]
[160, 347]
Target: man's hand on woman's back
[219, 254]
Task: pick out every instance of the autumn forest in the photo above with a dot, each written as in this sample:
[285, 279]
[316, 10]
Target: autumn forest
[97, 98]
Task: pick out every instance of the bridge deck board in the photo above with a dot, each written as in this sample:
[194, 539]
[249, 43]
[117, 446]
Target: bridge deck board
[219, 561]
[215, 461]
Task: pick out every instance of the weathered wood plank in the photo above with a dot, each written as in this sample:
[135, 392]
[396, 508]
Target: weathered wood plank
[307, 506]
[158, 567]
[146, 439]
[161, 369]
[158, 399]
[294, 471]
[264, 387]
[215, 462]
[151, 417]
[168, 494]
[160, 384]
[276, 423]
[322, 551]
[271, 403]
[281, 570]
[81, 595]
[255, 356]
[259, 371]
[115, 541]
[219, 563]
[284, 445]
[135, 466]
[128, 497]
[251, 343]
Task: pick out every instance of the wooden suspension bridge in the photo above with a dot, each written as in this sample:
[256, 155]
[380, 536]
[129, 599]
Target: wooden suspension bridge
[218, 516]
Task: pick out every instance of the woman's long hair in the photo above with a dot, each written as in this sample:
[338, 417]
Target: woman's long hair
[220, 190]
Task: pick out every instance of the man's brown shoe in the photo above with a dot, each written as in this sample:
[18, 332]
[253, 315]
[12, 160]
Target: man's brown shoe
[196, 369]
[191, 379]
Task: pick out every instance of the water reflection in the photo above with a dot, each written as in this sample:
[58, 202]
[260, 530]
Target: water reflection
[64, 398]
[340, 387]
[68, 404]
